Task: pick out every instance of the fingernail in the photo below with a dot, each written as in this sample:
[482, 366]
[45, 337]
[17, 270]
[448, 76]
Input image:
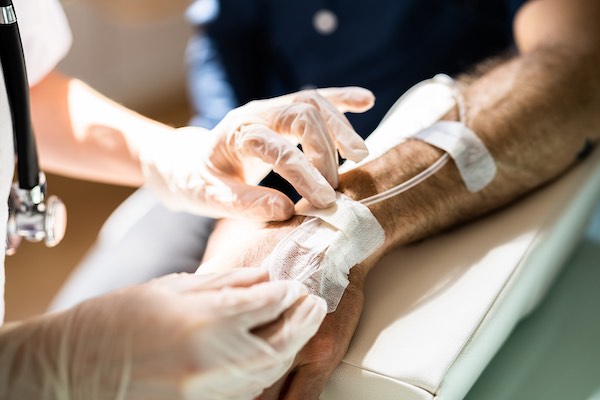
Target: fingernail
[324, 197]
[359, 154]
[329, 198]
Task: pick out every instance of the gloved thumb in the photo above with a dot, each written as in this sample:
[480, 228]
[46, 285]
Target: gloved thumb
[257, 203]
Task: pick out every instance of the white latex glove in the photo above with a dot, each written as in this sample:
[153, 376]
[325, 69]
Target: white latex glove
[217, 336]
[215, 172]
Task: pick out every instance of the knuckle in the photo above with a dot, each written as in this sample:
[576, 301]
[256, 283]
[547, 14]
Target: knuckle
[249, 130]
[301, 108]
[295, 116]
[286, 156]
[306, 93]
[326, 352]
[312, 98]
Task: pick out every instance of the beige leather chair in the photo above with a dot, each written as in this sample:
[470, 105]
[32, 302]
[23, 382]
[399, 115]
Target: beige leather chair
[437, 311]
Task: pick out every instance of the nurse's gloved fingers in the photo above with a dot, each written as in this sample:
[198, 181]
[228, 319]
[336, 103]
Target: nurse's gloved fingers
[288, 161]
[292, 331]
[192, 283]
[244, 387]
[304, 121]
[238, 277]
[349, 99]
[289, 333]
[348, 142]
[259, 304]
[252, 377]
[257, 203]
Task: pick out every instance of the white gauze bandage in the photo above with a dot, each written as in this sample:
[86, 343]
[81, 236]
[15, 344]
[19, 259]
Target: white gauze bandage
[321, 250]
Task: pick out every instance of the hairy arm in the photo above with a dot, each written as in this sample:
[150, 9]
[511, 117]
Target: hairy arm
[534, 113]
[86, 135]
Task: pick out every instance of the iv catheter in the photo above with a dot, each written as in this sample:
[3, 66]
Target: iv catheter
[404, 186]
[29, 216]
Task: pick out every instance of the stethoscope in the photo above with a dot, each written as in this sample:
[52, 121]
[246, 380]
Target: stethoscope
[30, 217]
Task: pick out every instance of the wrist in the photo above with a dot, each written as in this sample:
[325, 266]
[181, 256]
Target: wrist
[397, 214]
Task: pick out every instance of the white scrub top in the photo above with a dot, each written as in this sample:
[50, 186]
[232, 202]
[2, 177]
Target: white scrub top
[46, 39]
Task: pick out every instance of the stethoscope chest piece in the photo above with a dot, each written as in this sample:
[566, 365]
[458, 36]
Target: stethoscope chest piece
[33, 219]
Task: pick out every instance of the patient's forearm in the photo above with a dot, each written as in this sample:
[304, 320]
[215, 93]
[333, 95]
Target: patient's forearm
[534, 113]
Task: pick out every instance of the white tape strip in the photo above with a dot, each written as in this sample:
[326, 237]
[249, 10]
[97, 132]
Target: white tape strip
[473, 160]
[418, 108]
[321, 251]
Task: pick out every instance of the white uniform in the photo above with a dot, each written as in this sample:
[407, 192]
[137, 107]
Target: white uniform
[46, 39]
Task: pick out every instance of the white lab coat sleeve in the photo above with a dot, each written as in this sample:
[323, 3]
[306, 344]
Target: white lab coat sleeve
[45, 34]
[46, 39]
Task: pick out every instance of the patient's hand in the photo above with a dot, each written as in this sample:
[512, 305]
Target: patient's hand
[319, 358]
[235, 243]
[316, 362]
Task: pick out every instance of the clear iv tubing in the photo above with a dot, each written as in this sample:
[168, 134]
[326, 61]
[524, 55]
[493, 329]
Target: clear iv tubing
[404, 186]
[432, 169]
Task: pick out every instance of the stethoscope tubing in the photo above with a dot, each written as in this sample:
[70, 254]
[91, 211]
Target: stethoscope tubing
[17, 88]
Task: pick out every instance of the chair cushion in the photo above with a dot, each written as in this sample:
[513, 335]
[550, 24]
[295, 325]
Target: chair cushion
[437, 311]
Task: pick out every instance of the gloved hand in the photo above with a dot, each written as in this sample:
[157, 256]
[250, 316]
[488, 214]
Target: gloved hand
[179, 337]
[214, 173]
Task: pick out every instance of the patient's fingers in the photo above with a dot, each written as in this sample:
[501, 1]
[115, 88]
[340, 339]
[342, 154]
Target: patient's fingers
[307, 383]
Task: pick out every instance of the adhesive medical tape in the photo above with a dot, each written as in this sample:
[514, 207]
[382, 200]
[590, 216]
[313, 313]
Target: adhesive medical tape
[473, 160]
[420, 107]
[321, 251]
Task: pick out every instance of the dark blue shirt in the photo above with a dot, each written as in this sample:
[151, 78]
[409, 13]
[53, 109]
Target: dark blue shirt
[270, 47]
